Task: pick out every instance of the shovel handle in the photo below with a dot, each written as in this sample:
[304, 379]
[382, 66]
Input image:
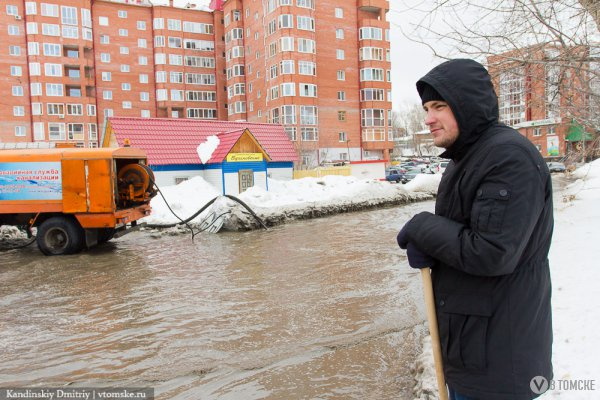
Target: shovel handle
[433, 331]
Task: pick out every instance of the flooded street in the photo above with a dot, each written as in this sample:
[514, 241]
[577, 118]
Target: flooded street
[318, 309]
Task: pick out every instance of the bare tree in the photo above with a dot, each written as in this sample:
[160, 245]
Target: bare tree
[556, 41]
[409, 120]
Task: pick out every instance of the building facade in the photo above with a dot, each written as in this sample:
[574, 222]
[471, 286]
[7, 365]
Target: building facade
[320, 68]
[542, 95]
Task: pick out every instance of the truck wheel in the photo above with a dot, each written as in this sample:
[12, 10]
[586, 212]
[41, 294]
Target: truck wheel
[59, 235]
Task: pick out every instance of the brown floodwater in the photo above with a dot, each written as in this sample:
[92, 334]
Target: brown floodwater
[317, 309]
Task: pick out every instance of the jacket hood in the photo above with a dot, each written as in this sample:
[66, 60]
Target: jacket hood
[467, 88]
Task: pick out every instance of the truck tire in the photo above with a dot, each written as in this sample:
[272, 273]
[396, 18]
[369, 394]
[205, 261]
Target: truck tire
[60, 235]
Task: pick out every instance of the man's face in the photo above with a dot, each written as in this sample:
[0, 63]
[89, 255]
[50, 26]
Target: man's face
[441, 122]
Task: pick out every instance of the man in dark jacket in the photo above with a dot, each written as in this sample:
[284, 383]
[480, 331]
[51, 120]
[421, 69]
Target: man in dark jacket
[487, 242]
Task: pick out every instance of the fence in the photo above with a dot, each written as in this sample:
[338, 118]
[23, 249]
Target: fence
[322, 171]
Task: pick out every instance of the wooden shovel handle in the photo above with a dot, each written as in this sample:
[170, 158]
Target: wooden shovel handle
[433, 331]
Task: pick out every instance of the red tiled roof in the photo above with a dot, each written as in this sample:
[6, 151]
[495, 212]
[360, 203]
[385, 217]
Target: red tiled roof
[174, 141]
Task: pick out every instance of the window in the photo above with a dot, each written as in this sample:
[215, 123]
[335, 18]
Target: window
[339, 13]
[145, 113]
[125, 86]
[175, 59]
[51, 49]
[35, 69]
[105, 57]
[341, 75]
[143, 78]
[287, 43]
[305, 23]
[158, 23]
[86, 18]
[309, 134]
[174, 24]
[307, 90]
[307, 68]
[372, 117]
[141, 25]
[75, 131]
[30, 8]
[274, 92]
[74, 109]
[286, 67]
[370, 53]
[125, 68]
[53, 69]
[144, 96]
[203, 113]
[16, 70]
[126, 105]
[92, 131]
[91, 109]
[273, 71]
[37, 109]
[308, 115]
[20, 130]
[107, 94]
[55, 109]
[341, 115]
[306, 46]
[18, 111]
[124, 50]
[161, 76]
[511, 97]
[123, 32]
[371, 74]
[197, 95]
[14, 50]
[551, 130]
[122, 13]
[176, 77]
[143, 60]
[51, 29]
[38, 131]
[177, 95]
[73, 91]
[371, 33]
[288, 114]
[68, 15]
[17, 90]
[159, 41]
[14, 30]
[49, 10]
[36, 89]
[306, 4]
[197, 27]
[160, 58]
[56, 131]
[12, 10]
[339, 33]
[104, 39]
[340, 54]
[199, 45]
[288, 89]
[71, 32]
[33, 48]
[372, 95]
[103, 21]
[31, 28]
[285, 21]
[161, 95]
[174, 42]
[341, 96]
[106, 76]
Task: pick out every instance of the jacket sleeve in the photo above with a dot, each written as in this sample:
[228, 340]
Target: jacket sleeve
[507, 206]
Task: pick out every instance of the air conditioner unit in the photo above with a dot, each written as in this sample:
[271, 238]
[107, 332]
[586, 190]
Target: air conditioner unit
[18, 17]
[61, 116]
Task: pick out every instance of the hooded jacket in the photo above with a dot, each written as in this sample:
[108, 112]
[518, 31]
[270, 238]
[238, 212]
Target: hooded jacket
[490, 236]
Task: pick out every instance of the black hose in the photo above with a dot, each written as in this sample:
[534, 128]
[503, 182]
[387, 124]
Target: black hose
[256, 217]
[21, 246]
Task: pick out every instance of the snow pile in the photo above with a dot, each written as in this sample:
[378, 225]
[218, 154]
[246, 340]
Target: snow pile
[574, 259]
[286, 200]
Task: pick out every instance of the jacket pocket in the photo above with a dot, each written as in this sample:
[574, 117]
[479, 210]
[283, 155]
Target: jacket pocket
[463, 323]
[489, 206]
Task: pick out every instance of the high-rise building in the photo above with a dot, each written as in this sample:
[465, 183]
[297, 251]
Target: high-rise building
[319, 67]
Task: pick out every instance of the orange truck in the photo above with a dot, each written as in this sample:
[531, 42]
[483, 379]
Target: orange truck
[76, 198]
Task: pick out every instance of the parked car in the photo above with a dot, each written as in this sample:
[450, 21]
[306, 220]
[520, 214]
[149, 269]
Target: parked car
[442, 166]
[410, 174]
[395, 175]
[554, 166]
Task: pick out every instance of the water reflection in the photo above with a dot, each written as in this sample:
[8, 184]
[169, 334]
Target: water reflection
[323, 308]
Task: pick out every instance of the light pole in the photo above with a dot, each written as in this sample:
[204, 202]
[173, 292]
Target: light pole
[348, 147]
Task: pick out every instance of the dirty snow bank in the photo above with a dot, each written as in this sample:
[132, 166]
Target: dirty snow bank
[286, 200]
[574, 259]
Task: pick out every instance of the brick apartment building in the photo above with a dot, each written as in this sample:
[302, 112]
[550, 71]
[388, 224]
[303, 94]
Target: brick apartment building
[320, 68]
[542, 98]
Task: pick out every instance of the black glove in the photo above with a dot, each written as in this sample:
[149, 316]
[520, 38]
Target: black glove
[402, 237]
[416, 258]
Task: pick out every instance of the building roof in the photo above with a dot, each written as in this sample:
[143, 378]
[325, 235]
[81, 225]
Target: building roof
[170, 141]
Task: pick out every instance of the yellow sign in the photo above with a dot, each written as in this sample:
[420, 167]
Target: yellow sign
[244, 157]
